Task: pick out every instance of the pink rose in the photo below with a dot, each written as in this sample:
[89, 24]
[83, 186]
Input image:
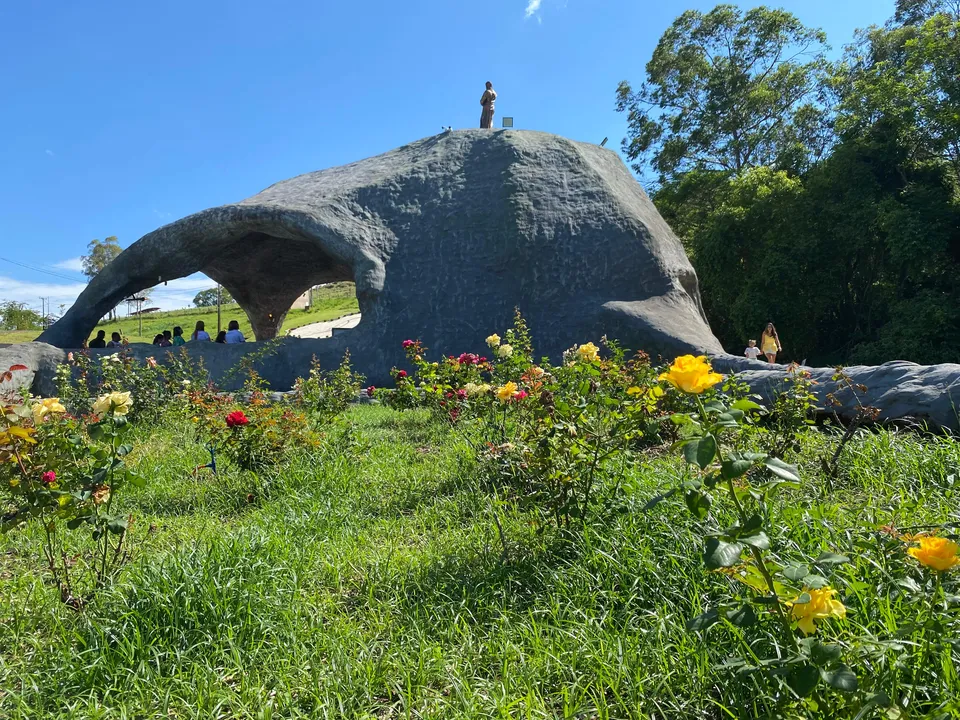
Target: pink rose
[49, 477]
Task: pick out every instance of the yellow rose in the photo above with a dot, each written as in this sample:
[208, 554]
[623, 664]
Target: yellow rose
[116, 402]
[505, 392]
[691, 374]
[504, 351]
[821, 606]
[46, 407]
[588, 352]
[493, 341]
[936, 553]
[473, 389]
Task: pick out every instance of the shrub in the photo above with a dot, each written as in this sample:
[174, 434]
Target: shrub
[328, 393]
[62, 474]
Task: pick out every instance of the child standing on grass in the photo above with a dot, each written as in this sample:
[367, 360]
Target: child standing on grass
[752, 351]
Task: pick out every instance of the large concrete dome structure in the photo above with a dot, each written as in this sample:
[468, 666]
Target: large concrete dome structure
[444, 238]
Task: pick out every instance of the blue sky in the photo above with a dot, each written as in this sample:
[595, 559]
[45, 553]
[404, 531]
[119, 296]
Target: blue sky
[119, 117]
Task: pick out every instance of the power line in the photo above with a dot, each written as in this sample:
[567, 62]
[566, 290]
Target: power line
[39, 270]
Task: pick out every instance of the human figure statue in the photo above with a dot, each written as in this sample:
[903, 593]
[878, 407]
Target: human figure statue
[488, 101]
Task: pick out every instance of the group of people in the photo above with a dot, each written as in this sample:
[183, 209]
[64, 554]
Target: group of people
[769, 345]
[230, 336]
[167, 338]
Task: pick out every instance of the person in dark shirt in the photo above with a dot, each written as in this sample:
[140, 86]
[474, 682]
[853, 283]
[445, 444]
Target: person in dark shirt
[99, 341]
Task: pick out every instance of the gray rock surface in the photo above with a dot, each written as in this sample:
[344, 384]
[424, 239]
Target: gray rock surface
[443, 237]
[41, 361]
[927, 394]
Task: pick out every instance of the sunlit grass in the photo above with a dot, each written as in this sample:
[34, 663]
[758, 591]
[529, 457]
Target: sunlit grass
[366, 580]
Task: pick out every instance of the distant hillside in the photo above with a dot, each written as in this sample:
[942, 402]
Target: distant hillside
[330, 302]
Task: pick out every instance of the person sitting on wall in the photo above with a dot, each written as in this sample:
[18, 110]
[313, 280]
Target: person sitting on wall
[115, 340]
[199, 334]
[158, 339]
[221, 337]
[167, 339]
[178, 337]
[233, 333]
[99, 341]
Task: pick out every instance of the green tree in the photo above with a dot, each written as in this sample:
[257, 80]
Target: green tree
[208, 298]
[909, 78]
[17, 316]
[917, 12]
[729, 90]
[100, 254]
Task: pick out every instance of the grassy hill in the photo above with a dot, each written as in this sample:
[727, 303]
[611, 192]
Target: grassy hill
[330, 303]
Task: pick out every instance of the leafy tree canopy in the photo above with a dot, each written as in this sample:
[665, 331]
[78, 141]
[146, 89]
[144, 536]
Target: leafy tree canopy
[100, 254]
[17, 316]
[208, 298]
[729, 90]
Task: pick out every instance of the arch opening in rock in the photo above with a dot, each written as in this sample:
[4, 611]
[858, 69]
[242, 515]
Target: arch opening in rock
[265, 274]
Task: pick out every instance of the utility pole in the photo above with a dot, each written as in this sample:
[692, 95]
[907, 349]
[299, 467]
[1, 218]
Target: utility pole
[218, 308]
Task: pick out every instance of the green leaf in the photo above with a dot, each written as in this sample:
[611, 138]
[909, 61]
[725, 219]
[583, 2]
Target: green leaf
[796, 572]
[758, 540]
[76, 522]
[124, 450]
[117, 525]
[698, 503]
[701, 451]
[828, 558]
[782, 470]
[840, 677]
[746, 406]
[657, 499]
[803, 679]
[823, 654]
[704, 621]
[743, 616]
[720, 554]
[727, 420]
[734, 468]
[815, 581]
[714, 406]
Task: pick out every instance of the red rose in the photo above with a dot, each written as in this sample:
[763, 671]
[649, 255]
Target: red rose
[49, 477]
[407, 343]
[236, 419]
[401, 374]
[370, 391]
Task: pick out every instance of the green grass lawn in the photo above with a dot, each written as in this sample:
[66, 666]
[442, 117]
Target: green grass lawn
[365, 580]
[330, 303]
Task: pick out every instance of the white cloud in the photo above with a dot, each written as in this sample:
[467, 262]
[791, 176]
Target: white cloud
[73, 264]
[50, 153]
[533, 7]
[30, 293]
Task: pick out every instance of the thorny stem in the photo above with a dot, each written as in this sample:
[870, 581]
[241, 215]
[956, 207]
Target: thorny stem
[756, 552]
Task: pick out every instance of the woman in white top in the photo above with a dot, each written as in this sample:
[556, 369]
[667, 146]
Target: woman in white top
[199, 333]
[233, 333]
